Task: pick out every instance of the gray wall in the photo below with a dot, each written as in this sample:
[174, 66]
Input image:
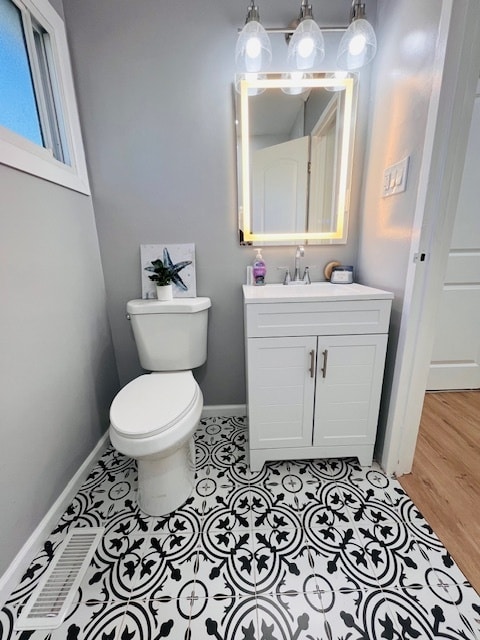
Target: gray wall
[419, 63]
[159, 135]
[57, 366]
[400, 102]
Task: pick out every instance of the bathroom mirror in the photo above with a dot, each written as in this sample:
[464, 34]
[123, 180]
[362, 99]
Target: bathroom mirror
[294, 153]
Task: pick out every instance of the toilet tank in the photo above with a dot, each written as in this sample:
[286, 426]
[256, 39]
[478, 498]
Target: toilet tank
[171, 335]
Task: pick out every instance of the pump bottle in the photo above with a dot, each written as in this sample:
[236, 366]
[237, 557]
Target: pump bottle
[259, 269]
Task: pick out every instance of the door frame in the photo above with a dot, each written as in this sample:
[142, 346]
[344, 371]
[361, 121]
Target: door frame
[457, 66]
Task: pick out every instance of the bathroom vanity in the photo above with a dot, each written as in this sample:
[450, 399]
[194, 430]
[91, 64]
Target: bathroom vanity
[315, 356]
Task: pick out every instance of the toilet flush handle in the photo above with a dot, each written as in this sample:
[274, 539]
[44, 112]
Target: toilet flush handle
[128, 316]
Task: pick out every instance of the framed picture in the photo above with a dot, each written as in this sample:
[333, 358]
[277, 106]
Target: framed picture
[181, 256]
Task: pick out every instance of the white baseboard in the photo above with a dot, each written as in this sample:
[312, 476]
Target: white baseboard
[14, 573]
[224, 410]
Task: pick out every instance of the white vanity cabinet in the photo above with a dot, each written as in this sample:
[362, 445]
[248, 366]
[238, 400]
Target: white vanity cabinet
[315, 358]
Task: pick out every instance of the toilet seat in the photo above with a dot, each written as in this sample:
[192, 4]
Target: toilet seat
[153, 403]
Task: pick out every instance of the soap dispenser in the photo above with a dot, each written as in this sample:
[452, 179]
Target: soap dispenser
[259, 269]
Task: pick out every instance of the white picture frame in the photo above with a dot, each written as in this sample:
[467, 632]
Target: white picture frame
[183, 287]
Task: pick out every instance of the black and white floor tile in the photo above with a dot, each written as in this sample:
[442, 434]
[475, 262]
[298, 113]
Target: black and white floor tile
[316, 550]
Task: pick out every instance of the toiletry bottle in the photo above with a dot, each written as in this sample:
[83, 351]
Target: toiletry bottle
[259, 269]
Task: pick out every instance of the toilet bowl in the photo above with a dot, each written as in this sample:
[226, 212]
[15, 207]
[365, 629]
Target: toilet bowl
[152, 419]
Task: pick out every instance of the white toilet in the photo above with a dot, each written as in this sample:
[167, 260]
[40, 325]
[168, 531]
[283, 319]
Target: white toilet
[153, 418]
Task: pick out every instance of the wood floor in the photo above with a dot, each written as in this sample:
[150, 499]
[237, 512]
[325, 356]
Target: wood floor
[445, 479]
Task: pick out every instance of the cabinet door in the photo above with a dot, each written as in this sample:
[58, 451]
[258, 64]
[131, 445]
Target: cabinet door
[281, 386]
[349, 382]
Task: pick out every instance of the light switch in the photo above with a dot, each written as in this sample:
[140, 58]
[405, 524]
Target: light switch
[395, 178]
[386, 181]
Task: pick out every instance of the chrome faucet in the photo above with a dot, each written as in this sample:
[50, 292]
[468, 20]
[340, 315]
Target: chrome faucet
[299, 253]
[297, 277]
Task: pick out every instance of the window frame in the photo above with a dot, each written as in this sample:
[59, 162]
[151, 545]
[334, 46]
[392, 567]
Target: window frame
[45, 34]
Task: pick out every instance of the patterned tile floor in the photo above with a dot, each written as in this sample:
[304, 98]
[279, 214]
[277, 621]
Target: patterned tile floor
[318, 550]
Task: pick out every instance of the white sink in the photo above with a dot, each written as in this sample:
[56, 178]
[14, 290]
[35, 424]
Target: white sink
[317, 291]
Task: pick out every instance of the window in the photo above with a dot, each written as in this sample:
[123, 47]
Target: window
[39, 126]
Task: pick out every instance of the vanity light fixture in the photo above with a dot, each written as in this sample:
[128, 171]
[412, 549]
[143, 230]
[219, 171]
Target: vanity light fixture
[254, 50]
[359, 43]
[306, 46]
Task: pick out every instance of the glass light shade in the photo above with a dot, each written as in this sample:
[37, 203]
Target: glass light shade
[253, 52]
[337, 75]
[307, 46]
[358, 45]
[252, 91]
[297, 76]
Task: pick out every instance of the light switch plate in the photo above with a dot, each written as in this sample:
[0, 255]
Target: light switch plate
[395, 178]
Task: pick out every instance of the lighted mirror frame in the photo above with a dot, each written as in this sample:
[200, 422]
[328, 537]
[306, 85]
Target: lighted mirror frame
[276, 81]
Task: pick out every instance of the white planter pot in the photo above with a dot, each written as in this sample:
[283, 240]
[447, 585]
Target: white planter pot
[165, 293]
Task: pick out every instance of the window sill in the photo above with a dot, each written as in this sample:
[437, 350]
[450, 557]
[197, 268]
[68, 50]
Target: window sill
[19, 153]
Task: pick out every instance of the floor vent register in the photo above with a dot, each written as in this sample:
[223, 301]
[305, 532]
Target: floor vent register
[55, 592]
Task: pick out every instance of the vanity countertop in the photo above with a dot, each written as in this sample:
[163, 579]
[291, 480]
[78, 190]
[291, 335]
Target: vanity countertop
[315, 292]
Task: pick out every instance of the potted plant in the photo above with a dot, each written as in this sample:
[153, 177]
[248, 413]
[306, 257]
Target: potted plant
[162, 275]
[165, 273]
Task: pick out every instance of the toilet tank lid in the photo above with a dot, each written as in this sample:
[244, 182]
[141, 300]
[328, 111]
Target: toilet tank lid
[177, 305]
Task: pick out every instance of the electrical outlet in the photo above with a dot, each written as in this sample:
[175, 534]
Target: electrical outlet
[395, 178]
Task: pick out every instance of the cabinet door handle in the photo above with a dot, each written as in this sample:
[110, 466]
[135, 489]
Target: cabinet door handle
[325, 359]
[312, 363]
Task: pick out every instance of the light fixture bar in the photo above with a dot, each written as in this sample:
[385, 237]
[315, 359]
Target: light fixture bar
[290, 30]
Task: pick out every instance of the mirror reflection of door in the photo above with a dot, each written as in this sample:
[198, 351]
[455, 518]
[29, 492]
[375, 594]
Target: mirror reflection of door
[324, 171]
[280, 186]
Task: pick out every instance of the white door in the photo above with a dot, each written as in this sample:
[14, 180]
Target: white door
[349, 383]
[456, 352]
[280, 187]
[281, 381]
